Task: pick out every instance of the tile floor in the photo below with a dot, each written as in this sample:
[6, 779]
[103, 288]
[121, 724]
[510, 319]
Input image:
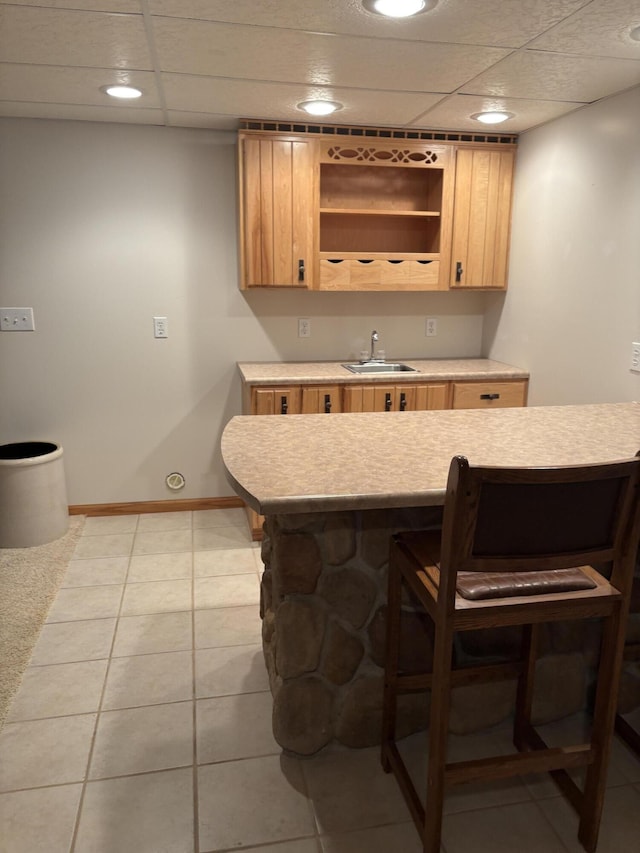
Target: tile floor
[143, 725]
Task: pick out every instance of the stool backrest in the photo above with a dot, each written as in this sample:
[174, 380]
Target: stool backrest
[541, 519]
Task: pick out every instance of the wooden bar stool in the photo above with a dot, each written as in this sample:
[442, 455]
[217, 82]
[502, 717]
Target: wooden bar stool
[631, 653]
[517, 547]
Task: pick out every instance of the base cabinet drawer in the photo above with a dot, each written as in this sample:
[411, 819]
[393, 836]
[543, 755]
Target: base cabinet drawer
[488, 395]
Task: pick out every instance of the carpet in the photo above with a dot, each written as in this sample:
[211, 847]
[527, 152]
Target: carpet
[29, 581]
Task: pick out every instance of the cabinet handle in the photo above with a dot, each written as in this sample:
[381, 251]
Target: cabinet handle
[301, 269]
[459, 271]
[327, 403]
[489, 396]
[284, 405]
[403, 401]
[387, 402]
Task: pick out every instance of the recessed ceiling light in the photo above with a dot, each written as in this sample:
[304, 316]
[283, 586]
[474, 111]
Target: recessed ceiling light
[492, 116]
[319, 108]
[122, 92]
[398, 8]
[635, 33]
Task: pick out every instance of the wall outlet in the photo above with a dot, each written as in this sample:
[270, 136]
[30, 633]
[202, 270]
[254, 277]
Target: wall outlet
[160, 327]
[16, 320]
[635, 357]
[431, 327]
[304, 328]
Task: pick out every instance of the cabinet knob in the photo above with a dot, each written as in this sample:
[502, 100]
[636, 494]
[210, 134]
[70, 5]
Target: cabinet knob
[301, 269]
[284, 405]
[327, 403]
[489, 396]
[387, 402]
[459, 271]
[403, 401]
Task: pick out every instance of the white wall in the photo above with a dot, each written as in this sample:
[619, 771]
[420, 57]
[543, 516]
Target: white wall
[573, 305]
[104, 226]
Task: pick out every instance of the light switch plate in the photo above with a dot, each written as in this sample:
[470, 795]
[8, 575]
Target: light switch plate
[635, 357]
[17, 320]
[160, 327]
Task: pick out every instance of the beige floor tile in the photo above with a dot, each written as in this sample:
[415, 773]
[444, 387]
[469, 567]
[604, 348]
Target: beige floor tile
[138, 814]
[156, 632]
[300, 845]
[153, 679]
[231, 727]
[157, 737]
[272, 806]
[96, 571]
[479, 795]
[226, 591]
[219, 517]
[63, 642]
[349, 790]
[224, 561]
[154, 521]
[402, 837]
[39, 821]
[230, 670]
[519, 827]
[162, 542]
[159, 567]
[620, 828]
[110, 524]
[227, 626]
[156, 597]
[88, 602]
[103, 545]
[232, 536]
[59, 689]
[45, 752]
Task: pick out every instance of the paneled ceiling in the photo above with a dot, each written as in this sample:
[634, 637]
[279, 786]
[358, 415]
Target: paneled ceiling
[207, 63]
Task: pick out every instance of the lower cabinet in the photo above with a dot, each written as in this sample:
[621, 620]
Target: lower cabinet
[396, 398]
[275, 401]
[488, 395]
[321, 399]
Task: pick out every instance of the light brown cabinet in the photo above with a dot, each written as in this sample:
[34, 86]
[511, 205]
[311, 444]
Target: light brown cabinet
[283, 400]
[481, 220]
[489, 395]
[396, 398]
[319, 399]
[324, 212]
[277, 204]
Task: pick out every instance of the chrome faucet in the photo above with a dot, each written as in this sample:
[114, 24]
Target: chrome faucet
[374, 338]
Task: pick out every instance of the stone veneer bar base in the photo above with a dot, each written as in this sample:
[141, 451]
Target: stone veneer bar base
[323, 605]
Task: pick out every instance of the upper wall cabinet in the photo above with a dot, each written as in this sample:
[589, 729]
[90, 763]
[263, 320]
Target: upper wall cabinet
[482, 216]
[278, 204]
[333, 212]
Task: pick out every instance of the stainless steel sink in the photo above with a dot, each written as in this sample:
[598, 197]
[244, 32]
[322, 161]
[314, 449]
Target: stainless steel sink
[379, 367]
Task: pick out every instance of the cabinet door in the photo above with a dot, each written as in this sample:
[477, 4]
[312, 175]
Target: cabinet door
[275, 401]
[481, 218]
[489, 395]
[277, 178]
[318, 399]
[421, 398]
[369, 398]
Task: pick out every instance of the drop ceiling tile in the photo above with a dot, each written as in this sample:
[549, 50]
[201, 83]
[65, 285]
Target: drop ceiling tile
[63, 37]
[206, 121]
[262, 53]
[79, 112]
[557, 77]
[278, 100]
[453, 113]
[87, 5]
[57, 85]
[491, 22]
[599, 29]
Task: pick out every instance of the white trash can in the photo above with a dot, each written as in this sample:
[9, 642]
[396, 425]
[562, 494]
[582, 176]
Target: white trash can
[33, 494]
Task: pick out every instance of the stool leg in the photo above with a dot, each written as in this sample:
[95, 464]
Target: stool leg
[392, 656]
[526, 685]
[603, 723]
[438, 733]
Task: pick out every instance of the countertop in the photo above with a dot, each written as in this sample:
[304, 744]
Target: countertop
[270, 373]
[321, 463]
